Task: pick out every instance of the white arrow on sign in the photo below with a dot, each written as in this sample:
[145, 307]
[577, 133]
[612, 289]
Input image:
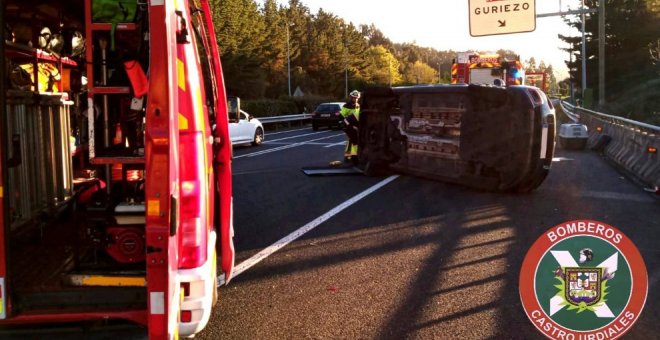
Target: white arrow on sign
[491, 17]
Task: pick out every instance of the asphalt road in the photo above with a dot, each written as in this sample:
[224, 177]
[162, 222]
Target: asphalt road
[415, 258]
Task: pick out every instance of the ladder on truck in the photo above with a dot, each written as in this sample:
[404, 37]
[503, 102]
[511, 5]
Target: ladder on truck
[112, 102]
[109, 108]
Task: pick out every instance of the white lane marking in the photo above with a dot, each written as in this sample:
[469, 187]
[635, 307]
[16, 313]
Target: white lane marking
[609, 195]
[280, 148]
[287, 131]
[285, 143]
[252, 172]
[336, 144]
[247, 264]
[615, 196]
[296, 136]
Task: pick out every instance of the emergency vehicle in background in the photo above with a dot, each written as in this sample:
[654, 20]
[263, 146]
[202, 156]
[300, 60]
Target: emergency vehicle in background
[538, 79]
[473, 68]
[115, 195]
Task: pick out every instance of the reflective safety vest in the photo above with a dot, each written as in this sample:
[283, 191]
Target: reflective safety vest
[351, 112]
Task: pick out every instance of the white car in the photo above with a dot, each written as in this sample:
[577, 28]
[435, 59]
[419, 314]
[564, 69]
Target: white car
[247, 130]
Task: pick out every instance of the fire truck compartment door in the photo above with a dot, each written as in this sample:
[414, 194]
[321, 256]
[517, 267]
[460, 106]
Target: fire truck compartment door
[482, 76]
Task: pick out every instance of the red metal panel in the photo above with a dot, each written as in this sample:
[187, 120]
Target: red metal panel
[89, 52]
[223, 155]
[161, 171]
[4, 228]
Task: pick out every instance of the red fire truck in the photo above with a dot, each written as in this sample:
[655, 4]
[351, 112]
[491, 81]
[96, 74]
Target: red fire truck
[474, 68]
[115, 184]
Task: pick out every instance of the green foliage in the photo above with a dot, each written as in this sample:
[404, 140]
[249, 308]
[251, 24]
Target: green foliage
[382, 67]
[269, 107]
[283, 106]
[420, 73]
[240, 34]
[631, 50]
[327, 55]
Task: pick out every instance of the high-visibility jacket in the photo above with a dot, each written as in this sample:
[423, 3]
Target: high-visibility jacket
[351, 109]
[351, 114]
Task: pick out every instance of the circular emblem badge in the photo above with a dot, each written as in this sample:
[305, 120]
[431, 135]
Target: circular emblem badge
[583, 280]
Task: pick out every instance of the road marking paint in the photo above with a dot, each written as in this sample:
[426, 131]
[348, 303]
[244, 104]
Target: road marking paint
[615, 196]
[280, 148]
[296, 136]
[252, 172]
[287, 131]
[260, 256]
[609, 195]
[289, 143]
[342, 143]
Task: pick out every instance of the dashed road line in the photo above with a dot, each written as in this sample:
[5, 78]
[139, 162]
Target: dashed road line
[287, 131]
[312, 143]
[260, 256]
[342, 143]
[296, 136]
[280, 148]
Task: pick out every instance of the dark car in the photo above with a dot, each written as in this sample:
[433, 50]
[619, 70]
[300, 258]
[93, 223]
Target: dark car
[327, 114]
[486, 137]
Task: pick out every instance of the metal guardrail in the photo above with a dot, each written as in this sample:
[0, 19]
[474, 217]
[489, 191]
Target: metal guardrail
[284, 119]
[569, 110]
[632, 145]
[573, 113]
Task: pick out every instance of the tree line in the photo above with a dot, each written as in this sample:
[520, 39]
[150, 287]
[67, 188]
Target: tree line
[632, 58]
[327, 55]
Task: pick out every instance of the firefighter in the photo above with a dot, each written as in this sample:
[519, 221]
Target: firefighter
[351, 114]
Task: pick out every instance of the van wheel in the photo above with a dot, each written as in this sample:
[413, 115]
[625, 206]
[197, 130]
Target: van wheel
[258, 137]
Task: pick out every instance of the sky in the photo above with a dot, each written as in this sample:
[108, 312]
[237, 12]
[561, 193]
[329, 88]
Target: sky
[444, 25]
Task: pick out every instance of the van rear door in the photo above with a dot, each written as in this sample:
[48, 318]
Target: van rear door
[162, 167]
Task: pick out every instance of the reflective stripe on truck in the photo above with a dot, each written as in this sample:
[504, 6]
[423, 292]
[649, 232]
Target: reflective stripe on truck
[3, 315]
